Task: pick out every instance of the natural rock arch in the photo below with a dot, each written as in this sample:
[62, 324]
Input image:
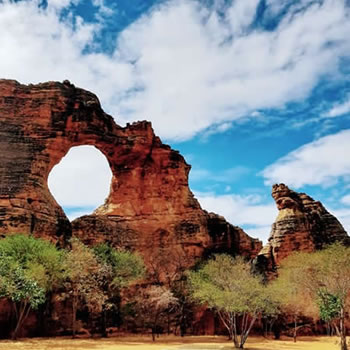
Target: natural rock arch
[149, 189]
[81, 181]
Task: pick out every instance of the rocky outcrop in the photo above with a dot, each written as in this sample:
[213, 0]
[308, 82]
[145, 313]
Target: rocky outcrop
[227, 238]
[302, 224]
[150, 203]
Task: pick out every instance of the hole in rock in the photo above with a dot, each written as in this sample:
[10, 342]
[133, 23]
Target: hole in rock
[80, 182]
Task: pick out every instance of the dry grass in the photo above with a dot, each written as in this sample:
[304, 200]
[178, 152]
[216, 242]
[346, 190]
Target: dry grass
[167, 343]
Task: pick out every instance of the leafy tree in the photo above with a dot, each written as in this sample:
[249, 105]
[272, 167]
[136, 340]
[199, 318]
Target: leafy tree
[329, 306]
[153, 303]
[29, 269]
[227, 285]
[325, 276]
[126, 268]
[85, 279]
[293, 299]
[184, 311]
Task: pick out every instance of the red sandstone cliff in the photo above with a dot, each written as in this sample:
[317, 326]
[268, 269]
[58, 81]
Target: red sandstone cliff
[302, 224]
[150, 205]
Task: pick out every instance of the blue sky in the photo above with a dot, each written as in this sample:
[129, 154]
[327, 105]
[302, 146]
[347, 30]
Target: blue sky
[252, 92]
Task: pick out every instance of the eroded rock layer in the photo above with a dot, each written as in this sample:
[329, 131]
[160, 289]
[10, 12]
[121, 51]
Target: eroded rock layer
[149, 205]
[302, 224]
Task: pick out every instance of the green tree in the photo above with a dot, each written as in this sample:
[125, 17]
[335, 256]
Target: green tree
[325, 276]
[292, 296]
[85, 279]
[126, 268]
[227, 285]
[29, 269]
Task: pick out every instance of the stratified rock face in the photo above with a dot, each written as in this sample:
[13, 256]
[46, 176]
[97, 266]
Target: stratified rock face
[149, 204]
[227, 238]
[302, 224]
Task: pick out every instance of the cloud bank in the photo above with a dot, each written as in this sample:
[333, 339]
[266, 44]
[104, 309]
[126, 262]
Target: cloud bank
[183, 65]
[322, 162]
[339, 109]
[249, 212]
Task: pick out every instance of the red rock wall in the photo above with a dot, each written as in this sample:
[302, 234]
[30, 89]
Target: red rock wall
[150, 203]
[302, 224]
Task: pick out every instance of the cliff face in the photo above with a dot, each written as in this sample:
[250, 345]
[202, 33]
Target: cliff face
[302, 224]
[149, 205]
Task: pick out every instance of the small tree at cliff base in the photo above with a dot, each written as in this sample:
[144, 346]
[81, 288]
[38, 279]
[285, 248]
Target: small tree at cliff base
[294, 300]
[29, 269]
[150, 307]
[166, 266]
[85, 279]
[325, 276]
[227, 285]
[126, 269]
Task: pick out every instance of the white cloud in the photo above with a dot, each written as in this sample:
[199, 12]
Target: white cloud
[38, 45]
[181, 65]
[339, 109]
[321, 162]
[261, 232]
[241, 14]
[58, 5]
[81, 179]
[248, 211]
[346, 200]
[216, 129]
[204, 72]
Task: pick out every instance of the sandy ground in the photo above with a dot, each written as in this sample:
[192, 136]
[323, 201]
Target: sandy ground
[168, 343]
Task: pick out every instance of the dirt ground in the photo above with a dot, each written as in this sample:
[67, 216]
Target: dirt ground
[168, 343]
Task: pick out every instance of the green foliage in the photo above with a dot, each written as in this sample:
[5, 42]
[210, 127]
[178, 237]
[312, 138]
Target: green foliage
[85, 275]
[86, 279]
[29, 268]
[126, 267]
[325, 277]
[294, 287]
[28, 263]
[329, 305]
[40, 260]
[226, 284]
[320, 274]
[17, 286]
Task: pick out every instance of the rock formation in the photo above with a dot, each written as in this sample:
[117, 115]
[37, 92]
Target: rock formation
[302, 224]
[149, 204]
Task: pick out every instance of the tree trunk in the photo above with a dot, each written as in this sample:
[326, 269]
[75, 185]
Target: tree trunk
[245, 333]
[295, 329]
[154, 328]
[230, 324]
[343, 345]
[265, 324]
[104, 323]
[23, 312]
[235, 335]
[74, 316]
